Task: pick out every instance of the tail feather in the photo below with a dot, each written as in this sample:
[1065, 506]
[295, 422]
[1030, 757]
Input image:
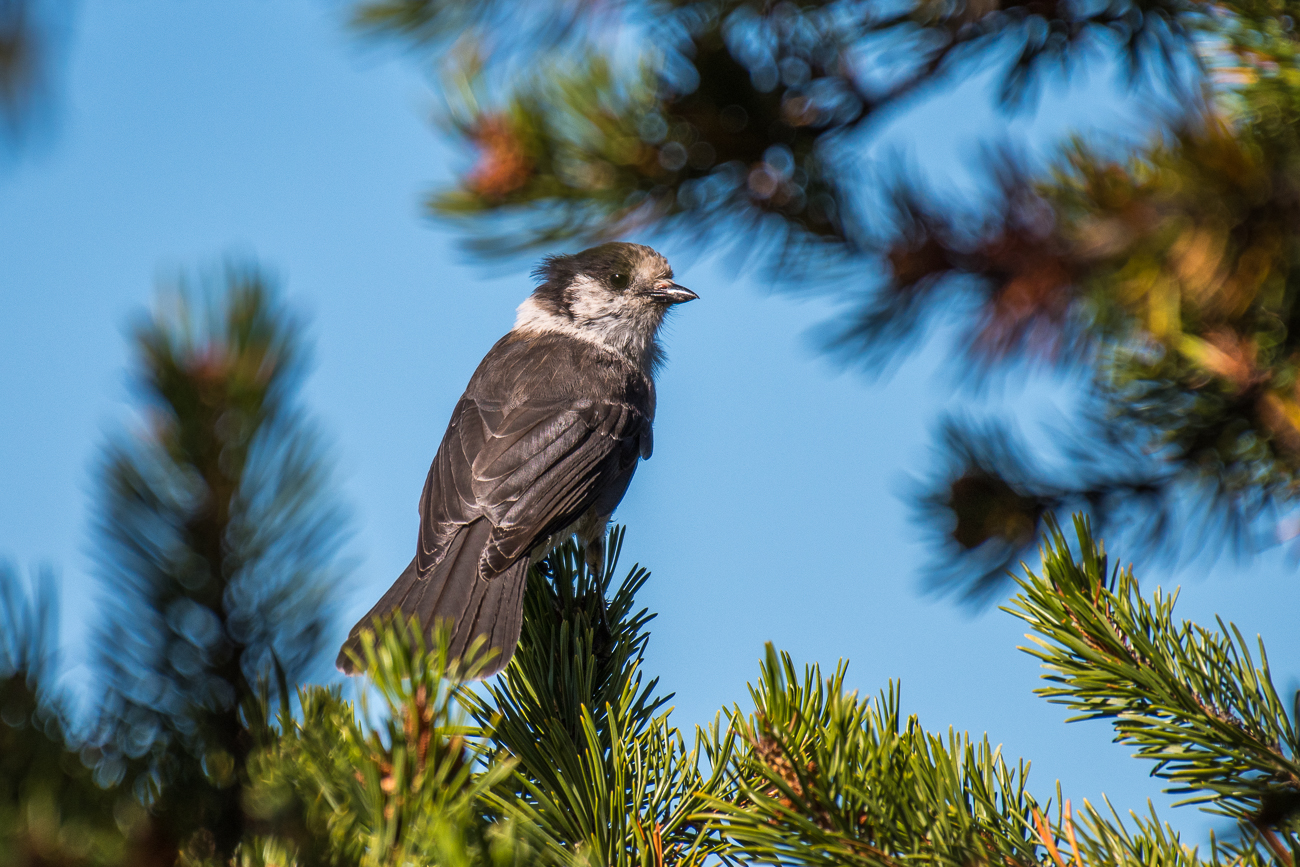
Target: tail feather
[510, 616]
[494, 611]
[454, 580]
[453, 592]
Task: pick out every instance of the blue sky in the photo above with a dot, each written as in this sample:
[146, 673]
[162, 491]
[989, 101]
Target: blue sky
[186, 133]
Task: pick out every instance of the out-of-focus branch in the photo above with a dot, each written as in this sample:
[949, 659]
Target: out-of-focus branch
[988, 501]
[1171, 278]
[53, 810]
[29, 30]
[735, 115]
[219, 546]
[20, 59]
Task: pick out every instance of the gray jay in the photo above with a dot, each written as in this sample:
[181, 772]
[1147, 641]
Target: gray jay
[542, 445]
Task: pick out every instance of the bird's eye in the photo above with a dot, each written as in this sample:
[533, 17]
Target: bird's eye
[619, 280]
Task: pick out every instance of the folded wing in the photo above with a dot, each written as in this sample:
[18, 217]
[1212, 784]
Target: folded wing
[506, 477]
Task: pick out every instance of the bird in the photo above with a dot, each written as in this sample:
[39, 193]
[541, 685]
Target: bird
[541, 446]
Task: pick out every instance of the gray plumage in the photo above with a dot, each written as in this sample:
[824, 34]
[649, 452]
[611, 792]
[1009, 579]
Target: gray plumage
[542, 444]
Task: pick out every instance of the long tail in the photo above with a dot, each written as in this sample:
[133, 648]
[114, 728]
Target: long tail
[454, 593]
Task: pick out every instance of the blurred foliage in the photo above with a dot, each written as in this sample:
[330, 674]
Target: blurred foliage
[51, 811]
[689, 115]
[1165, 276]
[215, 514]
[19, 52]
[1172, 277]
[28, 33]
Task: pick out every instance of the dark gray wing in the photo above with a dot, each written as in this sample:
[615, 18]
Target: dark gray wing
[530, 470]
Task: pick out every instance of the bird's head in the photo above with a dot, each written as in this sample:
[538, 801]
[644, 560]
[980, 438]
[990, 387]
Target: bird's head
[615, 295]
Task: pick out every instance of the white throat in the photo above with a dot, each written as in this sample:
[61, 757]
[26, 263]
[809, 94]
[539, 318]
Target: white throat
[628, 330]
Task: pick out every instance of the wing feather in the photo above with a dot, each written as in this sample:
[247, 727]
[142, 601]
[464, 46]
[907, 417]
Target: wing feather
[538, 469]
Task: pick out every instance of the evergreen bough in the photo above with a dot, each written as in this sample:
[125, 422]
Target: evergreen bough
[570, 757]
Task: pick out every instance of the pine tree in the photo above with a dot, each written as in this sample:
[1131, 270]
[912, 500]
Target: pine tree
[219, 547]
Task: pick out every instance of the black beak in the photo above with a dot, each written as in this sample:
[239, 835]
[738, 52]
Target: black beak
[671, 293]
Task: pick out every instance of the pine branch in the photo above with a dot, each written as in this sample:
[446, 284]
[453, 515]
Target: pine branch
[601, 772]
[1193, 701]
[829, 779]
[1104, 840]
[407, 790]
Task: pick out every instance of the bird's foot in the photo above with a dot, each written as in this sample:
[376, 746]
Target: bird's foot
[595, 557]
[602, 620]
